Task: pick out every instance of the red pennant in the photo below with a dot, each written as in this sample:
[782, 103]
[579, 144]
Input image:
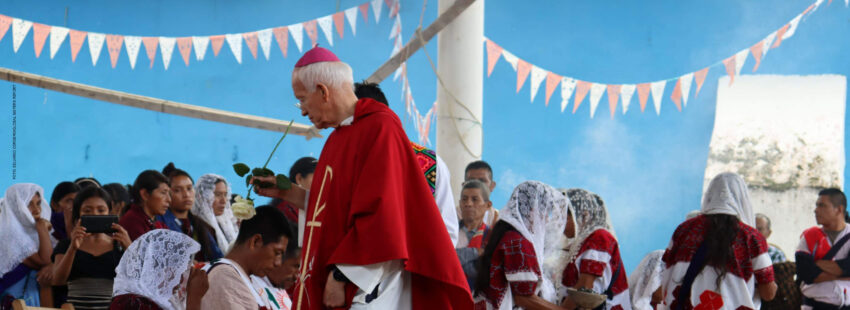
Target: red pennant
[76, 41]
[39, 35]
[364, 10]
[581, 91]
[779, 35]
[613, 96]
[5, 22]
[184, 44]
[677, 94]
[730, 68]
[830, 2]
[281, 34]
[339, 22]
[150, 47]
[113, 45]
[394, 10]
[251, 41]
[756, 50]
[523, 68]
[493, 53]
[217, 42]
[552, 81]
[809, 9]
[643, 94]
[310, 28]
[699, 76]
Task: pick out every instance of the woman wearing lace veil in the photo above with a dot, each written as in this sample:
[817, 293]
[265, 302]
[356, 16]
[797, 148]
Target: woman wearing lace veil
[152, 269]
[212, 205]
[511, 273]
[26, 244]
[592, 259]
[645, 282]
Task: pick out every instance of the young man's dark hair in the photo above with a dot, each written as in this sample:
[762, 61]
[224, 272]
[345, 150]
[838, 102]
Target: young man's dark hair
[838, 200]
[479, 164]
[370, 90]
[269, 223]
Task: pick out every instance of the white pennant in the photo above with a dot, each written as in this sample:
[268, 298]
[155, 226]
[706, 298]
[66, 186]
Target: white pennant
[95, 45]
[793, 28]
[351, 16]
[657, 89]
[376, 8]
[326, 24]
[568, 85]
[297, 32]
[57, 36]
[626, 93]
[200, 44]
[235, 42]
[20, 29]
[740, 59]
[396, 28]
[133, 44]
[768, 41]
[537, 76]
[166, 47]
[510, 58]
[686, 86]
[265, 38]
[596, 91]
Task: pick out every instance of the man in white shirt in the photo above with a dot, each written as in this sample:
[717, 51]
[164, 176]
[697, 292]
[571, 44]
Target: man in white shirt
[822, 256]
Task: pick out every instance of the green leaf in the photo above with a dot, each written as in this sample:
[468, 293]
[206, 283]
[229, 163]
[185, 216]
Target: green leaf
[263, 172]
[283, 182]
[248, 180]
[240, 169]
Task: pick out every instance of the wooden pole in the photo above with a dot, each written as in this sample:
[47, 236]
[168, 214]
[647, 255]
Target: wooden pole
[156, 104]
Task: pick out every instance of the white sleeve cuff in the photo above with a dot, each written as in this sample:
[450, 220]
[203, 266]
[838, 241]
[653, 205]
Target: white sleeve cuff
[367, 277]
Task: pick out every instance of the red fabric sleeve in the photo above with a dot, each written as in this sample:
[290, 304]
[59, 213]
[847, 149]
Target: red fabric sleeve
[520, 258]
[764, 275]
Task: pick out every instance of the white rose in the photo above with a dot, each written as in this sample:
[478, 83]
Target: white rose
[243, 209]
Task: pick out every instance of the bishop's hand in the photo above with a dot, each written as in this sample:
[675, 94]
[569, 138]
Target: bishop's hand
[334, 295]
[296, 195]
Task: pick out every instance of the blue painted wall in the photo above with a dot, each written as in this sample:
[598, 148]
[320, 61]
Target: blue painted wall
[648, 168]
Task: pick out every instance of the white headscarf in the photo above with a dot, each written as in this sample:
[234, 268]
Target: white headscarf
[645, 280]
[154, 264]
[727, 194]
[225, 224]
[539, 213]
[17, 226]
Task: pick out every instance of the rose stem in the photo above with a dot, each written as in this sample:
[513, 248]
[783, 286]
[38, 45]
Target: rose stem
[270, 155]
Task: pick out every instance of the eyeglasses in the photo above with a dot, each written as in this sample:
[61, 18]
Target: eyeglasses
[298, 105]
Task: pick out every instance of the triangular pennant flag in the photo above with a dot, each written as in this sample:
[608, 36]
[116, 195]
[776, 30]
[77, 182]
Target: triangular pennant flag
[657, 92]
[76, 41]
[95, 41]
[493, 53]
[5, 22]
[792, 27]
[133, 44]
[686, 87]
[756, 50]
[510, 58]
[351, 16]
[312, 32]
[568, 85]
[626, 92]
[200, 44]
[730, 68]
[364, 10]
[39, 36]
[281, 34]
[643, 95]
[235, 43]
[326, 23]
[166, 48]
[217, 42]
[184, 45]
[596, 91]
[779, 34]
[376, 9]
[768, 41]
[552, 81]
[677, 95]
[265, 38]
[150, 43]
[251, 41]
[537, 76]
[581, 91]
[57, 36]
[20, 29]
[113, 46]
[297, 32]
[339, 23]
[740, 58]
[808, 9]
[613, 96]
[523, 69]
[699, 76]
[396, 30]
[395, 7]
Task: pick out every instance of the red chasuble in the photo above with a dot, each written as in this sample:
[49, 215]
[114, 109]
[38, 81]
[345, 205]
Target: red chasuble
[369, 204]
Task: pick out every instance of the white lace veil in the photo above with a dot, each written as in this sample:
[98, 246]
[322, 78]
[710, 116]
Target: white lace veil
[153, 265]
[17, 226]
[645, 280]
[727, 194]
[224, 225]
[539, 213]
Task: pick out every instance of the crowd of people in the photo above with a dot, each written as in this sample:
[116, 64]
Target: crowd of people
[372, 224]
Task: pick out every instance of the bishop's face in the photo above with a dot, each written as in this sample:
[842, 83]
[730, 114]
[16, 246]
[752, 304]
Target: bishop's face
[315, 105]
